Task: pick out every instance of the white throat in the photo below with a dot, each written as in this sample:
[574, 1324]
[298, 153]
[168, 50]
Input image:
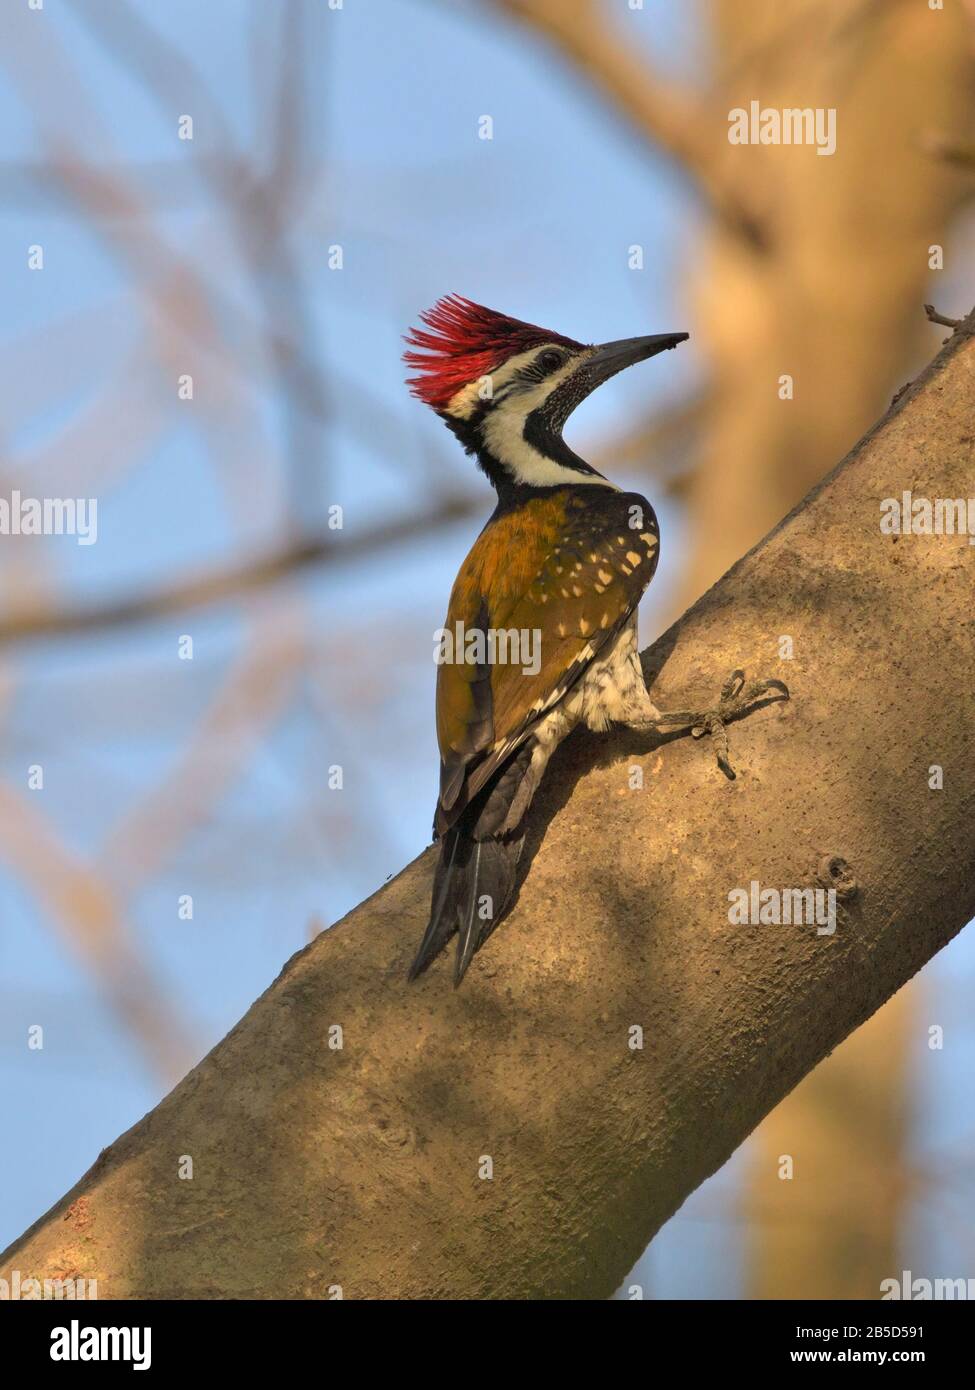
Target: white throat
[503, 428]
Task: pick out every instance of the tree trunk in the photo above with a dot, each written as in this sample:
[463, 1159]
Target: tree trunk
[834, 1227]
[831, 300]
[507, 1139]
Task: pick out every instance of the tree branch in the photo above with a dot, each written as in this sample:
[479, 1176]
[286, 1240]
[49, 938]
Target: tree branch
[237, 581]
[363, 1165]
[669, 114]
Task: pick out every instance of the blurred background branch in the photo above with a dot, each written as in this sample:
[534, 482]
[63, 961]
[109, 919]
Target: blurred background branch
[334, 185]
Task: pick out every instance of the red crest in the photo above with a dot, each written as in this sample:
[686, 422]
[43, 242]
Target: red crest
[463, 341]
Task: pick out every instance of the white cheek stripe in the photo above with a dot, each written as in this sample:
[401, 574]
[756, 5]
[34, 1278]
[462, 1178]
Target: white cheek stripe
[504, 426]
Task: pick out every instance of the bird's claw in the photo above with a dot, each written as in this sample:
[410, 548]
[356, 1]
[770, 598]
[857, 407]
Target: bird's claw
[735, 701]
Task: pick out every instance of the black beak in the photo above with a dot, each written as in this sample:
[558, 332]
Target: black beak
[610, 358]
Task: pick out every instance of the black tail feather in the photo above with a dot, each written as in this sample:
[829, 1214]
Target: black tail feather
[443, 918]
[470, 924]
[475, 878]
[472, 889]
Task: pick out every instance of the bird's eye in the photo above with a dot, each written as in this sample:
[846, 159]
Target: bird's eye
[549, 359]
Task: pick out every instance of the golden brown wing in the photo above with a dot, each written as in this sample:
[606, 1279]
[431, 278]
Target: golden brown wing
[553, 581]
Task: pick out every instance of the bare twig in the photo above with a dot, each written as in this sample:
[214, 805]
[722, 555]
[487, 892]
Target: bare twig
[669, 114]
[935, 317]
[253, 694]
[238, 581]
[89, 916]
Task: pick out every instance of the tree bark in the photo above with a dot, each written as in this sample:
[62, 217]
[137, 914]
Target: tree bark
[362, 1168]
[813, 269]
[832, 300]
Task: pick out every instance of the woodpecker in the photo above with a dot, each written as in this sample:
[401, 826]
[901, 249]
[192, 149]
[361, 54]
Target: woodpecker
[564, 558]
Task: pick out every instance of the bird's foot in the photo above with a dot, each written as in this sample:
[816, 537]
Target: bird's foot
[737, 699]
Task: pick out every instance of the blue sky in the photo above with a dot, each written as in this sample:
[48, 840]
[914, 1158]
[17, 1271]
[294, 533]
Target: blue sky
[536, 221]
